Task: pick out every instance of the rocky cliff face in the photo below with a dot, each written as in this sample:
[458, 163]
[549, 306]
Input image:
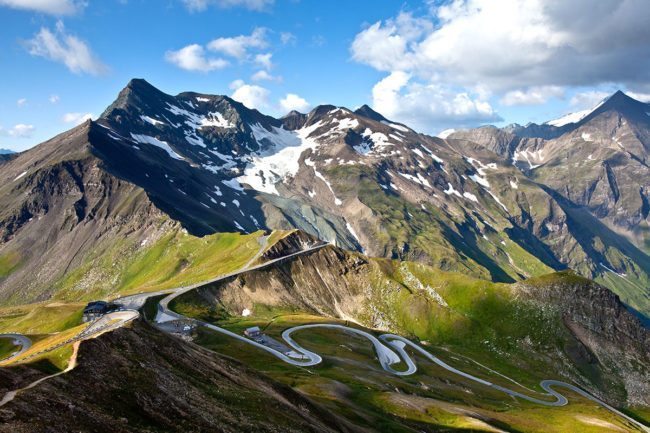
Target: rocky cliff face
[328, 282]
[609, 337]
[596, 170]
[59, 205]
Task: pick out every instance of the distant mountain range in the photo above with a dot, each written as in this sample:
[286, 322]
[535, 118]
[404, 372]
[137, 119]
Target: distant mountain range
[498, 203]
[6, 151]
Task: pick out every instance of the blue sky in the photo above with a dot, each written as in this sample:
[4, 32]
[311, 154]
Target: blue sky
[420, 62]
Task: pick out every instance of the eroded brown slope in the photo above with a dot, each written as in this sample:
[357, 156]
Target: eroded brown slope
[141, 380]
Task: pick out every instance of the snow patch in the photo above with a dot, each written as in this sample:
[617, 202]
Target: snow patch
[586, 136]
[151, 120]
[354, 234]
[432, 155]
[216, 119]
[470, 196]
[446, 133]
[233, 183]
[450, 190]
[417, 179]
[146, 139]
[319, 175]
[574, 117]
[20, 175]
[497, 200]
[345, 124]
[281, 158]
[480, 180]
[395, 126]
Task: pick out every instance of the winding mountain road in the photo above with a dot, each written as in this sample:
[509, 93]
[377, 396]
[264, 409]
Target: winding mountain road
[18, 340]
[390, 349]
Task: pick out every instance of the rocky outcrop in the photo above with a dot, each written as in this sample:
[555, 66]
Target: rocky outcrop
[327, 282]
[609, 335]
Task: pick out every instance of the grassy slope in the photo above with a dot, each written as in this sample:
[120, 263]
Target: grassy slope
[449, 242]
[350, 382]
[176, 259]
[477, 319]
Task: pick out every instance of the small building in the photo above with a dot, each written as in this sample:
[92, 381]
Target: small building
[253, 332]
[97, 309]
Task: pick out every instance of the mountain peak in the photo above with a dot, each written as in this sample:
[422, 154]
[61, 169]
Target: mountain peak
[368, 112]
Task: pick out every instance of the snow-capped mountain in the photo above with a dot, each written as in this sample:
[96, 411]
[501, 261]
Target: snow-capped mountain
[471, 203]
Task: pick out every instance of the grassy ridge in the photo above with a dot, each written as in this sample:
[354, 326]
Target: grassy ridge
[176, 259]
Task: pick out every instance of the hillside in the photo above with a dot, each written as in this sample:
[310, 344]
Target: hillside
[143, 380]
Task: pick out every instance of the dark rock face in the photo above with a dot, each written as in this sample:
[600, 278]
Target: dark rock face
[140, 380]
[609, 335]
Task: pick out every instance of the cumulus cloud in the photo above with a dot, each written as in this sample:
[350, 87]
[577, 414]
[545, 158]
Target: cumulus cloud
[193, 58]
[196, 57]
[522, 52]
[427, 106]
[588, 99]
[643, 97]
[53, 99]
[264, 76]
[294, 102]
[511, 44]
[19, 130]
[201, 5]
[77, 118]
[532, 96]
[238, 46]
[21, 102]
[51, 7]
[251, 95]
[59, 46]
[264, 60]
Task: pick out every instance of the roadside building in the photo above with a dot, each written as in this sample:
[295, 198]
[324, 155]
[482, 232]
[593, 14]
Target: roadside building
[97, 309]
[253, 332]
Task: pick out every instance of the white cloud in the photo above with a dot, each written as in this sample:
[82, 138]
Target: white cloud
[21, 102]
[294, 102]
[427, 107]
[64, 48]
[238, 46]
[643, 97]
[193, 58]
[52, 7]
[19, 130]
[264, 76]
[250, 95]
[588, 99]
[54, 99]
[287, 38]
[77, 118]
[264, 60]
[532, 96]
[201, 5]
[508, 45]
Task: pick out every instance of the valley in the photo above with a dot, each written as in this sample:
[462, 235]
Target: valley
[400, 281]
